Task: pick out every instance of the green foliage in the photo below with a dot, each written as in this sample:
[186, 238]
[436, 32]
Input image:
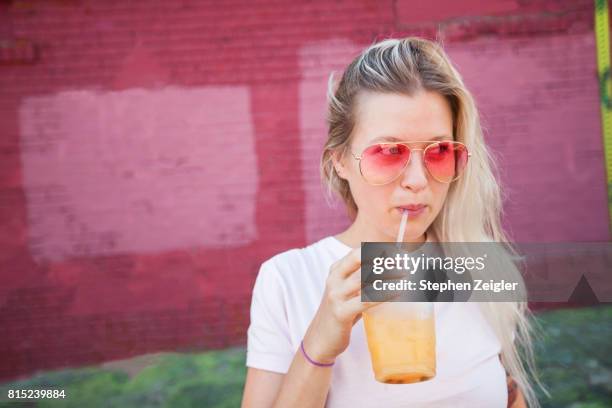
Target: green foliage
[574, 357]
[210, 379]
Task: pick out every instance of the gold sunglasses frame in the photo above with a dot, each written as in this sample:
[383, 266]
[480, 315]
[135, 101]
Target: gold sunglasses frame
[431, 143]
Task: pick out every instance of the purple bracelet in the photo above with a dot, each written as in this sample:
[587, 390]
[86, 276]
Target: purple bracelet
[311, 360]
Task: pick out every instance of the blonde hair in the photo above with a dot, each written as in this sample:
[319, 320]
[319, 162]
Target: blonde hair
[407, 66]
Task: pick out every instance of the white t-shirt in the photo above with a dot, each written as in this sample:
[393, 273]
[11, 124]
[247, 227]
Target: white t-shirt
[286, 296]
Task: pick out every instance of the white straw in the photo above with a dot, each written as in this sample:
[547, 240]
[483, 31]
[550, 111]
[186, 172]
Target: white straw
[402, 228]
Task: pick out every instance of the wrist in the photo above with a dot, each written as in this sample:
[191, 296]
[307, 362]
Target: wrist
[315, 358]
[317, 351]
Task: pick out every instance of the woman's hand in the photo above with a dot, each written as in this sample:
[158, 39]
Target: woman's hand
[329, 332]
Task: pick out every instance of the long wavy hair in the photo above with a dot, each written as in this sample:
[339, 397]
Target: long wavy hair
[407, 66]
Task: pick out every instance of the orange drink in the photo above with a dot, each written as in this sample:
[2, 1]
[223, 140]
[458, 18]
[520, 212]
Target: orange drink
[402, 341]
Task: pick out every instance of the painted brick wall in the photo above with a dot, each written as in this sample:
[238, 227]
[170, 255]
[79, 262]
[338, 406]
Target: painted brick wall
[153, 154]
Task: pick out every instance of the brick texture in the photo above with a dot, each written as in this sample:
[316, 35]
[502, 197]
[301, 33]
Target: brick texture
[153, 154]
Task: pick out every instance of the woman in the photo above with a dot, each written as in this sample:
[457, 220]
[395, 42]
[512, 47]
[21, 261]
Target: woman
[306, 343]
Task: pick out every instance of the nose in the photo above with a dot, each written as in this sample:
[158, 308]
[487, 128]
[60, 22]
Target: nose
[414, 176]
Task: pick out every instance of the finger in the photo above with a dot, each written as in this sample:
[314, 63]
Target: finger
[387, 298]
[351, 285]
[366, 292]
[355, 305]
[347, 264]
[355, 283]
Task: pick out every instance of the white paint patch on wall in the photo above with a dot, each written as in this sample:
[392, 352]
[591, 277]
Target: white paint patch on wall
[138, 170]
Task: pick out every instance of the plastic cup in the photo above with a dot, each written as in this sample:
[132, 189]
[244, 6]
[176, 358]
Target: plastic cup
[401, 339]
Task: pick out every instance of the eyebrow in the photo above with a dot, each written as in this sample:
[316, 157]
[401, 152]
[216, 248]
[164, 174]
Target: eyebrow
[397, 139]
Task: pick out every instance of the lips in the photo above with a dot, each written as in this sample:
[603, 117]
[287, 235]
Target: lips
[412, 207]
[414, 210]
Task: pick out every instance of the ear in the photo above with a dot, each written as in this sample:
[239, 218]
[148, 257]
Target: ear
[338, 165]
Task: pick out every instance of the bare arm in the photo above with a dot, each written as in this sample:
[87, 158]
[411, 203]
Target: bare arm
[261, 388]
[515, 396]
[305, 384]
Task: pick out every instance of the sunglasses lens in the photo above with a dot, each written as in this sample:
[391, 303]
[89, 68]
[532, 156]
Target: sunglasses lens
[446, 160]
[382, 163]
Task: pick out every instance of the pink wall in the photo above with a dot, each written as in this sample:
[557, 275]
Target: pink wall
[156, 153]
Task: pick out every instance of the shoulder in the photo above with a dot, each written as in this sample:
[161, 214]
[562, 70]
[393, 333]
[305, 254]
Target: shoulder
[298, 262]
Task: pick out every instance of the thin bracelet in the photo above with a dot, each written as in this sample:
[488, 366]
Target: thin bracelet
[311, 360]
